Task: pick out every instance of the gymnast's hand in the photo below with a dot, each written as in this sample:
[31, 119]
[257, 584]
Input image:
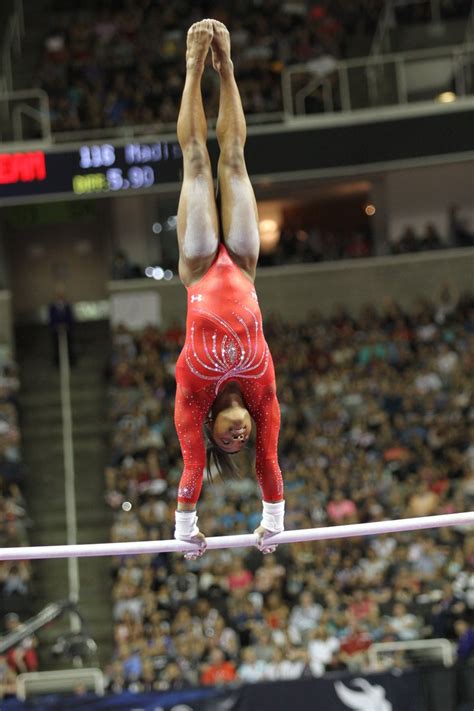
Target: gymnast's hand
[200, 540]
[263, 542]
[186, 529]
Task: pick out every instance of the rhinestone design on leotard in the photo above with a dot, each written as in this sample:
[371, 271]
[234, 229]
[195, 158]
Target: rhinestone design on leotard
[227, 355]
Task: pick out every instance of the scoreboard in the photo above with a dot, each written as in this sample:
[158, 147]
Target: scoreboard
[357, 143]
[89, 170]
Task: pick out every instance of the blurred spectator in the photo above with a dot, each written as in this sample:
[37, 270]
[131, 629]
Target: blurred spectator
[22, 658]
[321, 649]
[251, 669]
[341, 509]
[465, 633]
[403, 624]
[121, 267]
[183, 584]
[286, 664]
[304, 617]
[218, 671]
[61, 320]
[7, 679]
[430, 238]
[15, 577]
[459, 233]
[407, 242]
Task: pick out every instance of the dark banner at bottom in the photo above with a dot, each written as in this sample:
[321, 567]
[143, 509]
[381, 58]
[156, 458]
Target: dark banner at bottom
[437, 689]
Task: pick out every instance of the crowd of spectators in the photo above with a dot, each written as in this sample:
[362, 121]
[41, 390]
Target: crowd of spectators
[459, 234]
[106, 64]
[113, 64]
[15, 576]
[309, 244]
[377, 422]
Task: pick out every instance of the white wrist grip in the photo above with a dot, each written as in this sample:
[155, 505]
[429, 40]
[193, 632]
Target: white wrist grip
[185, 525]
[273, 516]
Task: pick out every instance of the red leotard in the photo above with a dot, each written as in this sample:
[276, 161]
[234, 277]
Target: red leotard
[224, 341]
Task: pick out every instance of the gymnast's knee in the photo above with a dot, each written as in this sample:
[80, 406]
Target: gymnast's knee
[195, 156]
[232, 158]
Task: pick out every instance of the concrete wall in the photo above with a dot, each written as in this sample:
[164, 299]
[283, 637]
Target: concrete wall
[132, 218]
[295, 291]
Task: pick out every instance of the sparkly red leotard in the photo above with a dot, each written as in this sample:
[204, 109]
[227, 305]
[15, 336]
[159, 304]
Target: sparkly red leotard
[224, 341]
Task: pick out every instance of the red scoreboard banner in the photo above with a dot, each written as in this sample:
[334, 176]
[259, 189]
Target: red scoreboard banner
[22, 167]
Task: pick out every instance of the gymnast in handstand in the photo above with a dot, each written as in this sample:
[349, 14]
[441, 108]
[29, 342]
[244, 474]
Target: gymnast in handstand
[225, 375]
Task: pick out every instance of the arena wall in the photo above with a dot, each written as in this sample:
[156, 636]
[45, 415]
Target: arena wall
[294, 291]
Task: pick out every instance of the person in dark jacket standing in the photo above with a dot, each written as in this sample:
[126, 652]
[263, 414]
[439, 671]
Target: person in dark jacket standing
[61, 316]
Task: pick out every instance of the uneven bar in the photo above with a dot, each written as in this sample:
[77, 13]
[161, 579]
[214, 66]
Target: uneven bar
[376, 528]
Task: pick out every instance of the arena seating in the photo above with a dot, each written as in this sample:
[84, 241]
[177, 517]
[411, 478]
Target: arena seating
[15, 577]
[105, 66]
[112, 65]
[375, 424]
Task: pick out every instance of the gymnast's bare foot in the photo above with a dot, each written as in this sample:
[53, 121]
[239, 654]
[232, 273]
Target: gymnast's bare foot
[198, 42]
[220, 47]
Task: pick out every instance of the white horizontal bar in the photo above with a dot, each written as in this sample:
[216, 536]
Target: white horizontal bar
[88, 550]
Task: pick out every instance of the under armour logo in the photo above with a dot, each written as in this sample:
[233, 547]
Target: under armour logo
[196, 297]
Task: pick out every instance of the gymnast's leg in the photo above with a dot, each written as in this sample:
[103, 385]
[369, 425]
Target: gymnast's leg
[198, 233]
[238, 206]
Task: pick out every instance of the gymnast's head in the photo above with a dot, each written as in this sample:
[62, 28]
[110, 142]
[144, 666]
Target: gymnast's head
[228, 428]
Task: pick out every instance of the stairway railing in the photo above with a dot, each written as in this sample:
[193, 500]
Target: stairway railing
[69, 470]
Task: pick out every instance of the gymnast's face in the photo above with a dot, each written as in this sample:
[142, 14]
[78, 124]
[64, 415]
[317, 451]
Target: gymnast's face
[231, 429]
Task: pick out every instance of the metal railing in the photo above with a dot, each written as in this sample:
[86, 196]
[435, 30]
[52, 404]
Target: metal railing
[11, 43]
[63, 680]
[150, 129]
[381, 42]
[469, 36]
[419, 649]
[377, 81]
[15, 106]
[69, 470]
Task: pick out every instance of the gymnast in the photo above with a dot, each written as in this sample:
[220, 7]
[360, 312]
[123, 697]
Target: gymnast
[225, 376]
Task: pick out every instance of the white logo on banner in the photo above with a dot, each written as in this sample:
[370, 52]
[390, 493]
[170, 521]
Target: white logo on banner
[369, 698]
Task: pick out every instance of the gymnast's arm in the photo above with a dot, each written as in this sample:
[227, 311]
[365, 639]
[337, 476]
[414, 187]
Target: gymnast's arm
[190, 411]
[266, 414]
[267, 420]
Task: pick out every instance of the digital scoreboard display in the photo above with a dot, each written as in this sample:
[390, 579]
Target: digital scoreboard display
[89, 170]
[319, 150]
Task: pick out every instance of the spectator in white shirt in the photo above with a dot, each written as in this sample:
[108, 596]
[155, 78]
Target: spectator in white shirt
[321, 649]
[304, 617]
[405, 625]
[252, 669]
[284, 667]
